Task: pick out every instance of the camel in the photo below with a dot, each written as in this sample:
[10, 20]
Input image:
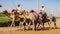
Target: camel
[42, 20]
[45, 19]
[31, 18]
[25, 18]
[53, 19]
[22, 19]
[11, 15]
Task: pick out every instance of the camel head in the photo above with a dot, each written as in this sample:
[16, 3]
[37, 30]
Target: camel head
[14, 11]
[5, 12]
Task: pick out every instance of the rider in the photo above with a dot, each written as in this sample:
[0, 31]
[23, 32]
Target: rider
[40, 16]
[19, 8]
[52, 17]
[43, 13]
[42, 10]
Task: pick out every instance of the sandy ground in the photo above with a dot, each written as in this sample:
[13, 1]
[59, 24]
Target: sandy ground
[13, 30]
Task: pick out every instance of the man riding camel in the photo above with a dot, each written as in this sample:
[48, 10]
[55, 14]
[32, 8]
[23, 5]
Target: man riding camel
[19, 8]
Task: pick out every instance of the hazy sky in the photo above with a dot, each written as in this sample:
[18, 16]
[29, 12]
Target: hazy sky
[51, 6]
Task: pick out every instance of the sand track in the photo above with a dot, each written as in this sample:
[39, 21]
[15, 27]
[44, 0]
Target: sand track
[13, 30]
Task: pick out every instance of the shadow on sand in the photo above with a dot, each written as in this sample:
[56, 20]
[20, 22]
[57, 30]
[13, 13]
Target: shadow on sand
[43, 29]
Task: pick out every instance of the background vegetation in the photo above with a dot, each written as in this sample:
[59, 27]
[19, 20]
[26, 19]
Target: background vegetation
[6, 21]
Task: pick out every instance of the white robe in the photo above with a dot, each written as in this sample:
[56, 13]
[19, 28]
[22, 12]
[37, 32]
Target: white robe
[19, 9]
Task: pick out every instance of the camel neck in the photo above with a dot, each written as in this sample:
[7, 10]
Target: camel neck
[8, 15]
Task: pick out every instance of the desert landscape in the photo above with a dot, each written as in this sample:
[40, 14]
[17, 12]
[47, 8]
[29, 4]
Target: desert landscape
[13, 30]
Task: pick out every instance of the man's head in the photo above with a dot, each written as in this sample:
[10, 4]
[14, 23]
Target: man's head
[31, 11]
[18, 5]
[42, 6]
[0, 5]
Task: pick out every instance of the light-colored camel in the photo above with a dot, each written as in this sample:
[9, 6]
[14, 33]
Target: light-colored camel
[14, 15]
[23, 18]
[31, 18]
[11, 15]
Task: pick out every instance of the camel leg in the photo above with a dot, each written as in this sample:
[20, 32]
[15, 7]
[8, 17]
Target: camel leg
[12, 24]
[40, 23]
[28, 25]
[33, 25]
[29, 22]
[20, 24]
[49, 25]
[24, 24]
[50, 21]
[55, 25]
[43, 25]
[37, 26]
